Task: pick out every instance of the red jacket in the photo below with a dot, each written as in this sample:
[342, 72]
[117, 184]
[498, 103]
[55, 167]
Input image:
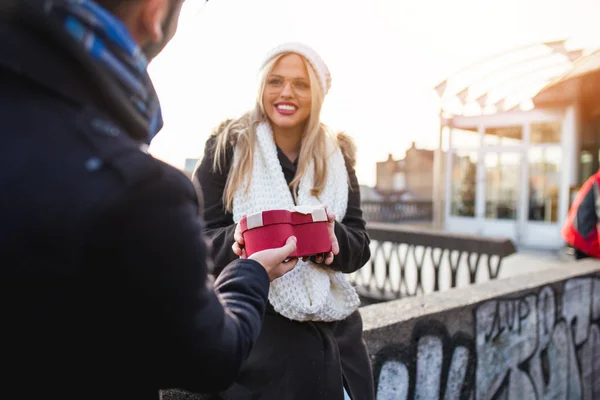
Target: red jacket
[581, 227]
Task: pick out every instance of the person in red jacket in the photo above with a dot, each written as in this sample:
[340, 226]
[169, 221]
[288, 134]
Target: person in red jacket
[580, 230]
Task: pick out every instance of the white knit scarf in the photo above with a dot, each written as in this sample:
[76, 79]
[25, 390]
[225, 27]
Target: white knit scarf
[309, 292]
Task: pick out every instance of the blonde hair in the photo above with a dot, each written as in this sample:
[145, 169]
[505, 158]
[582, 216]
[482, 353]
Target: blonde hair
[241, 133]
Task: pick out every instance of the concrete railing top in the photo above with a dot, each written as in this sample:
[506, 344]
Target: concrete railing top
[400, 311]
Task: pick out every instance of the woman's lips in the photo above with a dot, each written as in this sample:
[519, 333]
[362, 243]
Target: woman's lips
[286, 108]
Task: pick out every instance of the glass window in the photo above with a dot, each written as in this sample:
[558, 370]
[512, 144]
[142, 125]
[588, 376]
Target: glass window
[464, 178]
[545, 132]
[544, 182]
[502, 185]
[399, 182]
[586, 166]
[462, 138]
[504, 136]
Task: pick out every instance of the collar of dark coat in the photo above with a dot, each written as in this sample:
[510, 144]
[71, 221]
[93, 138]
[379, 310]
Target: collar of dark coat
[37, 48]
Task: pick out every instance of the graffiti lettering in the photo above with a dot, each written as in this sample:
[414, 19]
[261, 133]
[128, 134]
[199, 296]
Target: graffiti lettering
[544, 345]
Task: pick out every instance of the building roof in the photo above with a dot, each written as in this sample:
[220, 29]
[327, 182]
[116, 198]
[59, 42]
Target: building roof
[510, 79]
[566, 87]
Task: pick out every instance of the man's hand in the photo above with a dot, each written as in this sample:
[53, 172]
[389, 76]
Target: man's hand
[276, 261]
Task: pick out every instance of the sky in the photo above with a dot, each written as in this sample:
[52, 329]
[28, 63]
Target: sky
[385, 58]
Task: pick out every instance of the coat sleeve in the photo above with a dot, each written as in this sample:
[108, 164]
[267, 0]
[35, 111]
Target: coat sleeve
[219, 227]
[352, 233]
[200, 333]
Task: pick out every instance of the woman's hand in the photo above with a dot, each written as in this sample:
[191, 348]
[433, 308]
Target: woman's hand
[238, 245]
[327, 258]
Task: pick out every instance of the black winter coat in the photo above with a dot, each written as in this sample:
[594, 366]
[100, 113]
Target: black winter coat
[295, 360]
[104, 291]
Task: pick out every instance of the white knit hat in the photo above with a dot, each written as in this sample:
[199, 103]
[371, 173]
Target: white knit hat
[309, 54]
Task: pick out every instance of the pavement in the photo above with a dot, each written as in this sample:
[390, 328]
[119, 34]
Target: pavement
[532, 260]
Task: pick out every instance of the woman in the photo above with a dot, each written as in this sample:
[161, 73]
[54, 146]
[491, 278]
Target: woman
[277, 156]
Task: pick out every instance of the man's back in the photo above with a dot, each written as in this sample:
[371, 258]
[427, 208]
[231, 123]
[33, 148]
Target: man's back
[104, 291]
[57, 183]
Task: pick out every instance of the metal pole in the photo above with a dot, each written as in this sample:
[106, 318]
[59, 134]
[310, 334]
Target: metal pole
[438, 179]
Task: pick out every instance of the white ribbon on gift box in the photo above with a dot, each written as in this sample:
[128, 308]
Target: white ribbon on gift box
[254, 220]
[319, 214]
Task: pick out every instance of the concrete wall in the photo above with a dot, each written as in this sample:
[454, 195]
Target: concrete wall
[530, 337]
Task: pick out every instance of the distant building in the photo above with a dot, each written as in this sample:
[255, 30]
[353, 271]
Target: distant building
[410, 177]
[511, 173]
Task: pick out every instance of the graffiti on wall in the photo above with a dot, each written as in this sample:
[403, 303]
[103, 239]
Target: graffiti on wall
[544, 345]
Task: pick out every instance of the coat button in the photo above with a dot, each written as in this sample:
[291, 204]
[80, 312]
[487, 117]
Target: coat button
[93, 164]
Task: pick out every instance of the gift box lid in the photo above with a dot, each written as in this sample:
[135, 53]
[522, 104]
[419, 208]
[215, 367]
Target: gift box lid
[297, 216]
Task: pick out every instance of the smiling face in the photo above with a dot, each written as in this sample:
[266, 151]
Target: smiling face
[287, 92]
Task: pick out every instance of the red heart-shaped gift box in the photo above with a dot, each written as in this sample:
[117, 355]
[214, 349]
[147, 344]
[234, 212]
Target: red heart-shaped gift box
[270, 229]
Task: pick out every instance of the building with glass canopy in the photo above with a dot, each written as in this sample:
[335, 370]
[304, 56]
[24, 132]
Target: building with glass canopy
[520, 136]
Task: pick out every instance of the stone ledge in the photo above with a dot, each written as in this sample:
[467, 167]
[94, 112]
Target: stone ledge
[398, 311]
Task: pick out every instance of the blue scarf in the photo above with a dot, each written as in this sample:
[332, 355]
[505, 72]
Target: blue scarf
[107, 40]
